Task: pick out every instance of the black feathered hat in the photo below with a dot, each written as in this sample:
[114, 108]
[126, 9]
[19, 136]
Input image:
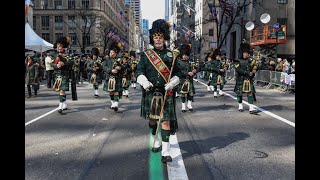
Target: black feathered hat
[95, 51]
[217, 52]
[115, 47]
[185, 49]
[159, 27]
[244, 47]
[63, 40]
[133, 53]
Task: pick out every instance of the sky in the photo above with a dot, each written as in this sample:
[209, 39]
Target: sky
[152, 10]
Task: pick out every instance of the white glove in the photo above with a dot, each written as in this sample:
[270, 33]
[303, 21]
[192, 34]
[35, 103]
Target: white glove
[143, 81]
[173, 82]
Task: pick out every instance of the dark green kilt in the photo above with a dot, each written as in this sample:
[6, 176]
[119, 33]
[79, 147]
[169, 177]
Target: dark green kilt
[127, 84]
[99, 78]
[169, 111]
[64, 83]
[214, 80]
[191, 88]
[239, 85]
[118, 87]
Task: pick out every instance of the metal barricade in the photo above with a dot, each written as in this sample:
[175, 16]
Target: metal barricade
[262, 76]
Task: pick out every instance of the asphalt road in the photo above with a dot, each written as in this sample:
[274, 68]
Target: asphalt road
[216, 141]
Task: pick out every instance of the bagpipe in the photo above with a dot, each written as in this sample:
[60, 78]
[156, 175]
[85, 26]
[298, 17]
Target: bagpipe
[95, 70]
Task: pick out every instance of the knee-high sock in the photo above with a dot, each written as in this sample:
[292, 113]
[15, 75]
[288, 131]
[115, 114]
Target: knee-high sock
[221, 87]
[239, 98]
[183, 98]
[116, 98]
[95, 86]
[250, 99]
[190, 98]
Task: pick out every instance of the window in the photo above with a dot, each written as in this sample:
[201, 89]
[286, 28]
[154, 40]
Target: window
[210, 32]
[58, 22]
[282, 1]
[71, 4]
[85, 4]
[71, 22]
[45, 22]
[46, 36]
[73, 38]
[44, 4]
[58, 4]
[86, 40]
[34, 23]
[58, 35]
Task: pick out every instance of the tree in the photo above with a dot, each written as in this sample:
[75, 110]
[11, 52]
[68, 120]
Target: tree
[82, 24]
[107, 31]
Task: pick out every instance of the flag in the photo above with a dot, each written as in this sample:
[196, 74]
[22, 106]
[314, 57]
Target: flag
[212, 10]
[26, 2]
[120, 15]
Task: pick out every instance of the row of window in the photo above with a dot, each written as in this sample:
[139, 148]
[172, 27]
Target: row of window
[73, 38]
[71, 4]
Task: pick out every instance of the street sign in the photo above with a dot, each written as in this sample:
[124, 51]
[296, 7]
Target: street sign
[276, 26]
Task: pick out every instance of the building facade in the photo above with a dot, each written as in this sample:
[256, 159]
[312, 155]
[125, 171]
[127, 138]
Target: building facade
[131, 31]
[86, 22]
[280, 11]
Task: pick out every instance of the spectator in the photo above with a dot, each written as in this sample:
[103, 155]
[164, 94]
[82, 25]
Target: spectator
[49, 70]
[32, 76]
[279, 66]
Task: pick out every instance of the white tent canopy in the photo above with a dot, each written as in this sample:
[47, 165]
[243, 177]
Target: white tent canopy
[35, 42]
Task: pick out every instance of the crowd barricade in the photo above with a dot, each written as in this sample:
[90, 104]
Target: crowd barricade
[231, 73]
[284, 80]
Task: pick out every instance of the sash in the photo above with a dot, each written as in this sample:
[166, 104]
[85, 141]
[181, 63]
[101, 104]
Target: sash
[158, 64]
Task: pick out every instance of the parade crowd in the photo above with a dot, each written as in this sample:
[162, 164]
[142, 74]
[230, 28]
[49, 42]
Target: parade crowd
[163, 74]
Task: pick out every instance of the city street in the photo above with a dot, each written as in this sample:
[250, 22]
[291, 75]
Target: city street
[215, 141]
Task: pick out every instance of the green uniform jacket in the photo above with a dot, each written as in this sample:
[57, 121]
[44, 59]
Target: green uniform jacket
[63, 71]
[145, 67]
[185, 67]
[243, 68]
[107, 66]
[126, 74]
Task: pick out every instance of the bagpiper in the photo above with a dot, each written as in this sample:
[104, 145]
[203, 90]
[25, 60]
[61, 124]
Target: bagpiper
[126, 76]
[62, 66]
[245, 71]
[134, 63]
[96, 71]
[153, 74]
[217, 71]
[113, 73]
[186, 87]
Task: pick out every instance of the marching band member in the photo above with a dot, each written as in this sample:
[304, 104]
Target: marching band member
[113, 72]
[134, 68]
[97, 71]
[62, 65]
[186, 87]
[126, 77]
[153, 73]
[245, 71]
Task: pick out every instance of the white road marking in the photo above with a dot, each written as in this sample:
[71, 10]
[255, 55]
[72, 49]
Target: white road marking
[35, 119]
[176, 169]
[260, 109]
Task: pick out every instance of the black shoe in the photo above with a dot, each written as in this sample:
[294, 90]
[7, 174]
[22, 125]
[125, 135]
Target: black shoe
[96, 95]
[155, 150]
[191, 110]
[165, 159]
[115, 109]
[35, 93]
[240, 110]
[75, 99]
[184, 110]
[253, 111]
[65, 109]
[29, 96]
[60, 111]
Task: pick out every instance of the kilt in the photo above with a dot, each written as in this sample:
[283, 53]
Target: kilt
[239, 85]
[191, 88]
[169, 111]
[118, 86]
[64, 83]
[214, 80]
[99, 78]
